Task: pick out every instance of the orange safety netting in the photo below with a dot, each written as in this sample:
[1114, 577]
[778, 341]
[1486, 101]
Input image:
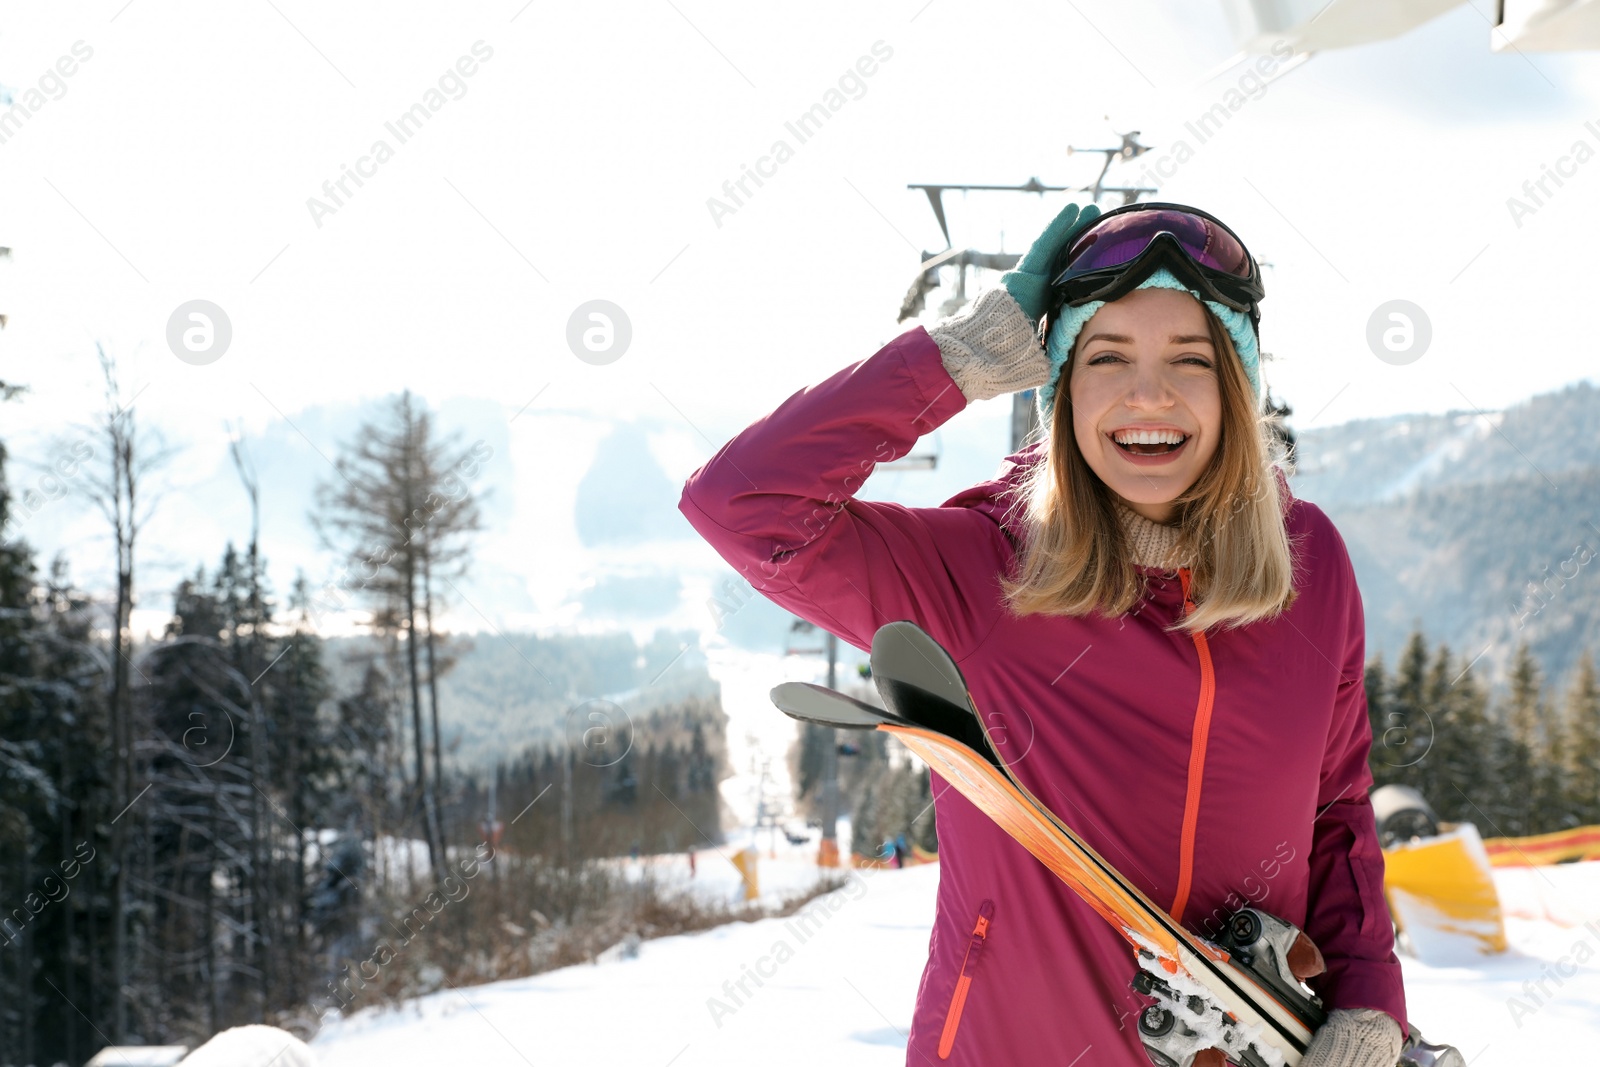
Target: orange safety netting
[1563, 846]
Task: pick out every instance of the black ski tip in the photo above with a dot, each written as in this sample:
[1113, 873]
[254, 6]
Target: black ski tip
[905, 652]
[827, 707]
[921, 684]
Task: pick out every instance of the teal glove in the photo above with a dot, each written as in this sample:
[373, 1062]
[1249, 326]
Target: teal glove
[1029, 283]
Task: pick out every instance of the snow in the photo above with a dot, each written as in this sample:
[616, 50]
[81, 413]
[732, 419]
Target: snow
[1441, 938]
[1566, 895]
[757, 732]
[251, 1046]
[403, 858]
[1467, 432]
[838, 978]
[138, 1056]
[1203, 1029]
[783, 871]
[839, 988]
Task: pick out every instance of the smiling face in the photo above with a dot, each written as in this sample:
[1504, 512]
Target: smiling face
[1144, 372]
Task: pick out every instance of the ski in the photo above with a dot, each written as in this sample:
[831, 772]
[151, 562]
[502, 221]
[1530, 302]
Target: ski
[1237, 993]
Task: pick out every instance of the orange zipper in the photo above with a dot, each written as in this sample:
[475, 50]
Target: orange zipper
[958, 999]
[1197, 757]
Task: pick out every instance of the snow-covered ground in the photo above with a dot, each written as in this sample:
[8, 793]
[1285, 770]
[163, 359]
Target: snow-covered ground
[759, 733]
[783, 870]
[840, 989]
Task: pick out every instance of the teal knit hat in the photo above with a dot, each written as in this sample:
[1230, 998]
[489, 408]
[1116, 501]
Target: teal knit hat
[1064, 334]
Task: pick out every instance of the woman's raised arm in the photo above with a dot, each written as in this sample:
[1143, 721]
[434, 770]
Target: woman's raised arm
[778, 503]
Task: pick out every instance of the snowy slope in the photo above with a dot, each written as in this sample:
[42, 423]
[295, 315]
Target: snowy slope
[841, 991]
[784, 871]
[841, 985]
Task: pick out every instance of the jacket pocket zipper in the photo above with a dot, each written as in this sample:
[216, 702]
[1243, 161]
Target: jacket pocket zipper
[958, 999]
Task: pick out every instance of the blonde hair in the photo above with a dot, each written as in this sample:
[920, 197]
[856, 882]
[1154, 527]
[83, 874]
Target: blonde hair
[1076, 560]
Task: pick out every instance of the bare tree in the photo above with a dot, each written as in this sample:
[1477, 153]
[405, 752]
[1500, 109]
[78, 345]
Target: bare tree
[400, 511]
[261, 866]
[115, 487]
[445, 554]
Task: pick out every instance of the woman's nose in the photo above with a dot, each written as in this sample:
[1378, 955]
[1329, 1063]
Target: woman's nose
[1150, 388]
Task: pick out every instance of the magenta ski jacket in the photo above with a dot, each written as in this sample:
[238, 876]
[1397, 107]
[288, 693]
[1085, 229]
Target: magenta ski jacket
[1213, 770]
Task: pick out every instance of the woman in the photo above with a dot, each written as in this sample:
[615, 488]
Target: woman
[1168, 646]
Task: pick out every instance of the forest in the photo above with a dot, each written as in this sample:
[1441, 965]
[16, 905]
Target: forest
[1526, 763]
[203, 829]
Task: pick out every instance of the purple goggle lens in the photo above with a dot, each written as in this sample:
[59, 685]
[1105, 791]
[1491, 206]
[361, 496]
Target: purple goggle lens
[1121, 238]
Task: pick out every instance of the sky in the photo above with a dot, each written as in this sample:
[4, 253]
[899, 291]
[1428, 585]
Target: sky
[578, 153]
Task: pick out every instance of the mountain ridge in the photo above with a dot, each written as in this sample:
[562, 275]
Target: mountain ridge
[1477, 527]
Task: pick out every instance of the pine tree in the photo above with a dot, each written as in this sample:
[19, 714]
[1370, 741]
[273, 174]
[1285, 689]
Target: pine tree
[1524, 707]
[1582, 754]
[1375, 682]
[866, 822]
[56, 881]
[308, 762]
[900, 801]
[808, 779]
[1463, 749]
[205, 835]
[925, 832]
[1536, 761]
[1407, 732]
[29, 798]
[70, 670]
[701, 776]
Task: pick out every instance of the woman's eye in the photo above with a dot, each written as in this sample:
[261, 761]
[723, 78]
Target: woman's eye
[1197, 360]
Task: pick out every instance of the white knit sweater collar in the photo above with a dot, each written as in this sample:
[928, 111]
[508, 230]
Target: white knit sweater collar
[1152, 544]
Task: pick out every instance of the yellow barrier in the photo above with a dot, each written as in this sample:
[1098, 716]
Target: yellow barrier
[745, 862]
[1441, 893]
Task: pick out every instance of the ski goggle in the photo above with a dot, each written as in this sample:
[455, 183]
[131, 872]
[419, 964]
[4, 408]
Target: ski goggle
[1121, 248]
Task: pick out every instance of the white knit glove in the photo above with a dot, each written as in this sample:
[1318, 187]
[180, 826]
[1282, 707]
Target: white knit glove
[991, 348]
[1355, 1037]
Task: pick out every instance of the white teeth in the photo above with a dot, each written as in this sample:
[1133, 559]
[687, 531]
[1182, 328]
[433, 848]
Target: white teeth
[1148, 437]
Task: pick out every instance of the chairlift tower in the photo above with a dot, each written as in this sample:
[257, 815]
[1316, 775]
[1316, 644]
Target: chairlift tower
[1024, 419]
[828, 847]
